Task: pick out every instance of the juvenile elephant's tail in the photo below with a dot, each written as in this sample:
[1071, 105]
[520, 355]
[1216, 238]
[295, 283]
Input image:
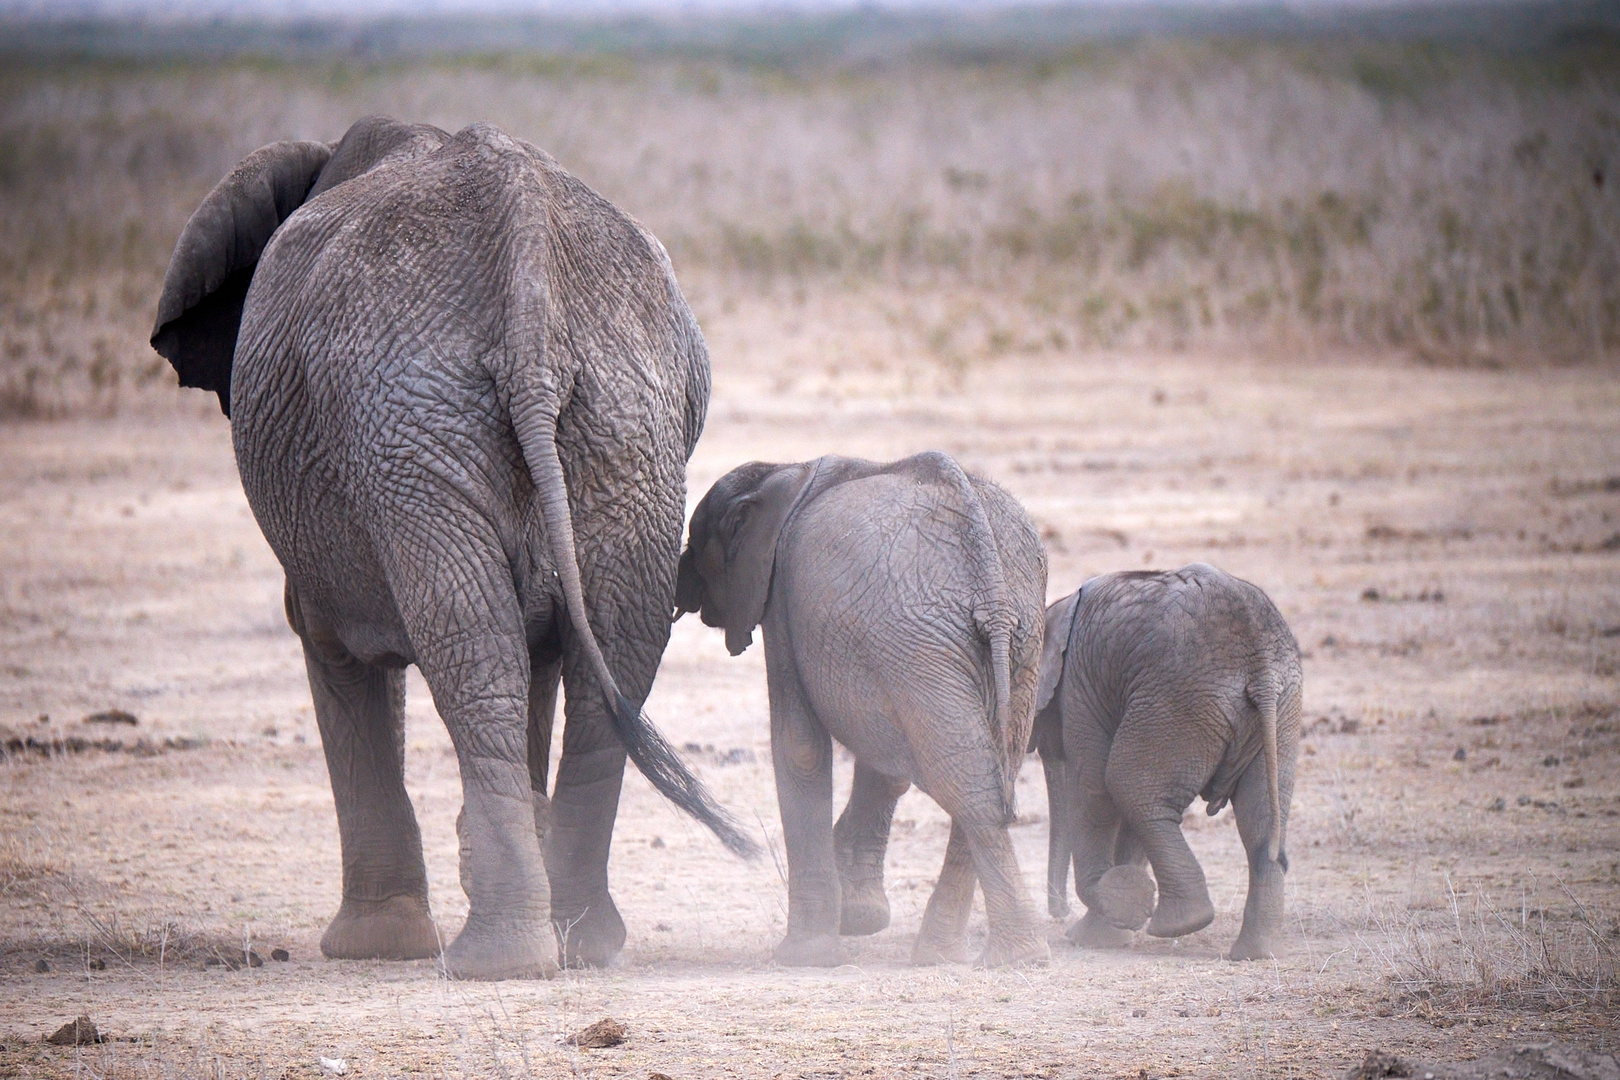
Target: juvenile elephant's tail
[994, 620]
[1265, 696]
[654, 756]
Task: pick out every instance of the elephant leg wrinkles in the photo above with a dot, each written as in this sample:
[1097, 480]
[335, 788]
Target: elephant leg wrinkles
[943, 938]
[860, 844]
[1263, 908]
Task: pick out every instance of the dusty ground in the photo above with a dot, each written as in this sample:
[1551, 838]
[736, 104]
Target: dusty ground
[1445, 543]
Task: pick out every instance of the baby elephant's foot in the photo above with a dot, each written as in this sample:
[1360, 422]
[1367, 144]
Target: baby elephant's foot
[810, 950]
[1178, 916]
[1094, 932]
[864, 911]
[398, 928]
[1026, 950]
[1251, 948]
[1124, 896]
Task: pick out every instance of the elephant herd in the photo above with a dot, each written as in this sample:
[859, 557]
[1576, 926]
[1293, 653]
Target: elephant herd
[463, 389]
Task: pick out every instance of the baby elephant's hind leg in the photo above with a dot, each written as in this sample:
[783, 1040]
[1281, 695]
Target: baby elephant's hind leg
[860, 844]
[1262, 911]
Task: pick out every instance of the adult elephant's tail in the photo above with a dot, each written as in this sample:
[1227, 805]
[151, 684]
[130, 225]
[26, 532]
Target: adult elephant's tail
[994, 620]
[536, 426]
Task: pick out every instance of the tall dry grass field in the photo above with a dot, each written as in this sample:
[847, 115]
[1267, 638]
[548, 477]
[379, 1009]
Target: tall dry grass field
[1455, 203]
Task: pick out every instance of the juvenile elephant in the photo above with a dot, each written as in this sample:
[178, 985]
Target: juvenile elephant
[463, 388]
[1156, 688]
[901, 607]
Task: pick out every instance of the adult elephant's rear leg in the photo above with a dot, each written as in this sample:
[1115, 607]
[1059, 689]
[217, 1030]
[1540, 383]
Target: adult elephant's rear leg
[360, 710]
[943, 938]
[1014, 934]
[860, 844]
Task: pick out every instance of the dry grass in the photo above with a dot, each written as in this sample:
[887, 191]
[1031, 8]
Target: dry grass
[1454, 203]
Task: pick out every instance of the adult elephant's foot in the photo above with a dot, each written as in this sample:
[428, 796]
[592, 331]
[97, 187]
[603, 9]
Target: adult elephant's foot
[810, 950]
[1177, 916]
[864, 910]
[1251, 948]
[490, 949]
[591, 936]
[1025, 950]
[1094, 932]
[927, 951]
[1124, 897]
[398, 928]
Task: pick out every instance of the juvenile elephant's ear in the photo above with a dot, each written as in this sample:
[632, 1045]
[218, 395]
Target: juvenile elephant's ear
[1059, 623]
[738, 556]
[208, 276]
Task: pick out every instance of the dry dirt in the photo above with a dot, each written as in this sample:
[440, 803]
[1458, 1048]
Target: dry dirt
[1445, 543]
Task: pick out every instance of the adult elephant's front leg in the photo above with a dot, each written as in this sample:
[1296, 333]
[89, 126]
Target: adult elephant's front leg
[360, 710]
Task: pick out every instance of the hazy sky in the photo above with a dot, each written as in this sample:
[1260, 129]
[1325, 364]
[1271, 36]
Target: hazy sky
[296, 9]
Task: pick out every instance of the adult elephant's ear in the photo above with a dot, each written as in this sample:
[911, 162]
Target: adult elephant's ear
[212, 265]
[1055, 648]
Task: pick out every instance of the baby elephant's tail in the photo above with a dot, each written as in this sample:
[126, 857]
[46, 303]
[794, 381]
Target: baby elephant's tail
[1264, 695]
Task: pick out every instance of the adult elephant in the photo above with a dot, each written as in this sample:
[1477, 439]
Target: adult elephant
[463, 388]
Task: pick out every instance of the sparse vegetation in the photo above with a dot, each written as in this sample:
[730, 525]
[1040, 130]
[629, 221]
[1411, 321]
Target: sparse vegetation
[1455, 202]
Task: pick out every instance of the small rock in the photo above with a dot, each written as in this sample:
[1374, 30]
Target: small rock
[1183, 1012]
[281, 955]
[663, 928]
[1138, 1012]
[1497, 803]
[1460, 755]
[80, 1032]
[600, 1035]
[657, 842]
[1379, 1064]
[41, 967]
[1550, 760]
[659, 1076]
[1214, 1010]
[1524, 800]
[112, 716]
[333, 1066]
[252, 959]
[98, 964]
[1370, 594]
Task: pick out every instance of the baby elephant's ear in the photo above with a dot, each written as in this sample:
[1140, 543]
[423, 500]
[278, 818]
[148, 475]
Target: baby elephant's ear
[212, 265]
[756, 519]
[1059, 622]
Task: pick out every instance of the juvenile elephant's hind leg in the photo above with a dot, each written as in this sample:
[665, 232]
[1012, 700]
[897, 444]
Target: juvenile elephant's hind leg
[860, 844]
[801, 752]
[943, 938]
[360, 710]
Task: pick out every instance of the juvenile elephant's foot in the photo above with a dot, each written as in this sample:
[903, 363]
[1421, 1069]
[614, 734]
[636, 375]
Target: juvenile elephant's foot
[1094, 932]
[1124, 896]
[1178, 916]
[591, 937]
[492, 949]
[865, 910]
[398, 928]
[810, 950]
[1025, 950]
[1256, 948]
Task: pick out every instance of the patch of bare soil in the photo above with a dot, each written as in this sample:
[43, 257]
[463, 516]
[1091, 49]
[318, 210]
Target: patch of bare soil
[1443, 541]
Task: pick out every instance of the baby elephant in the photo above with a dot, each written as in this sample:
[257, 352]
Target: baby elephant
[1155, 688]
[901, 607]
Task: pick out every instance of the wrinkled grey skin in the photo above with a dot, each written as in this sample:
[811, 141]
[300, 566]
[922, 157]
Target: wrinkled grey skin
[901, 608]
[1156, 688]
[463, 389]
